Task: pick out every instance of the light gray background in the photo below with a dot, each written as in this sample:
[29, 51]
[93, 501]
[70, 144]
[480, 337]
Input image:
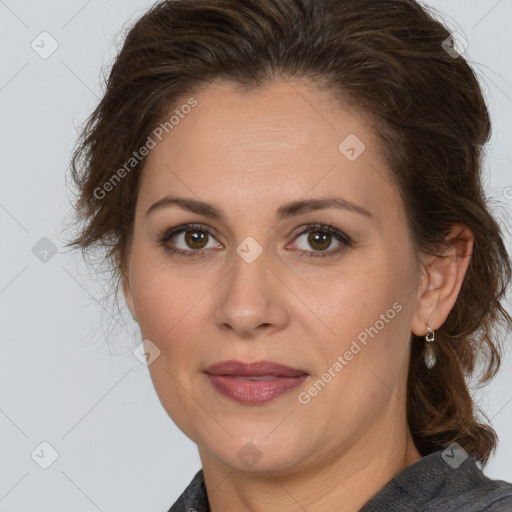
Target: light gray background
[68, 380]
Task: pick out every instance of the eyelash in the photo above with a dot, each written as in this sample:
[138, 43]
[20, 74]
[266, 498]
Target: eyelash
[345, 240]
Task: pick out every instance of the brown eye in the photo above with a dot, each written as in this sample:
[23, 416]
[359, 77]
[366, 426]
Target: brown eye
[195, 239]
[189, 240]
[319, 240]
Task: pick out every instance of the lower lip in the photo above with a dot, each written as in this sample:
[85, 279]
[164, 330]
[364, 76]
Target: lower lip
[254, 391]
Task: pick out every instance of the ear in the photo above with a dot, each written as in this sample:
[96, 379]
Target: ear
[128, 296]
[442, 280]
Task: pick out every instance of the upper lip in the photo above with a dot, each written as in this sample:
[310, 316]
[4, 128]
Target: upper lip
[255, 368]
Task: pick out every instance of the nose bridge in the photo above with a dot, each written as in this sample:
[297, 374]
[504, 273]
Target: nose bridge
[251, 256]
[248, 279]
[248, 296]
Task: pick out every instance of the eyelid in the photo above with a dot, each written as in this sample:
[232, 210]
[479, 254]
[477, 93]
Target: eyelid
[306, 228]
[169, 233]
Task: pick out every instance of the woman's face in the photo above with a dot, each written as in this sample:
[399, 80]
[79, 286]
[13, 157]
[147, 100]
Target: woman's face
[255, 283]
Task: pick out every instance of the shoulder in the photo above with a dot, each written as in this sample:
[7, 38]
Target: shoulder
[468, 488]
[496, 496]
[500, 505]
[438, 483]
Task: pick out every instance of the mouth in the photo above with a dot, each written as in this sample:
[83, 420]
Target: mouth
[254, 369]
[254, 383]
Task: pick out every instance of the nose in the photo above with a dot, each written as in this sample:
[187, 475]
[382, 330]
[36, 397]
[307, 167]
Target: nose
[251, 299]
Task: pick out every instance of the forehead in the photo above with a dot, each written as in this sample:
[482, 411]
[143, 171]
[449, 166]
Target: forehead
[276, 143]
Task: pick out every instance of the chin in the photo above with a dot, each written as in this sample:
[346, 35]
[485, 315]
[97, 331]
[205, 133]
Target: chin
[251, 457]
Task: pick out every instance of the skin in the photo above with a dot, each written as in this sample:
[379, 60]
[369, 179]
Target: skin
[249, 153]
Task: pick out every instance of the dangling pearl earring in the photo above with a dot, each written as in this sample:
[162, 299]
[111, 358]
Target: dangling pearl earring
[430, 357]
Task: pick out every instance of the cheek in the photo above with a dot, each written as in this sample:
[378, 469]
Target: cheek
[168, 313]
[164, 292]
[367, 314]
[354, 300]
[171, 388]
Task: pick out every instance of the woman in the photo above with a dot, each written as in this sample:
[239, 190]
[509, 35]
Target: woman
[290, 196]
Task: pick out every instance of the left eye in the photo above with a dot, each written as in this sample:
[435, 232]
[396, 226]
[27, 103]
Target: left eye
[321, 237]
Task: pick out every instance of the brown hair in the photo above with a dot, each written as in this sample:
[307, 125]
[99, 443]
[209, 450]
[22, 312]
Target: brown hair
[389, 61]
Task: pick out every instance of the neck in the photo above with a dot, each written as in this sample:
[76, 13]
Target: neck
[351, 476]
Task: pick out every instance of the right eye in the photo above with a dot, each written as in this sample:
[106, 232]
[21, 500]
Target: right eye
[191, 235]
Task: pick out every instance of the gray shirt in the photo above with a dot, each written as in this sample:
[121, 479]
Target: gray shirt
[429, 485]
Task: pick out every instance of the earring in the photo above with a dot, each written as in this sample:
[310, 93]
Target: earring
[429, 358]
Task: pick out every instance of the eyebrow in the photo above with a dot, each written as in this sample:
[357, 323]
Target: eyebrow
[287, 210]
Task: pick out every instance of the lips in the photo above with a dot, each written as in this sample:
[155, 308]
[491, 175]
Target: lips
[254, 383]
[235, 368]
